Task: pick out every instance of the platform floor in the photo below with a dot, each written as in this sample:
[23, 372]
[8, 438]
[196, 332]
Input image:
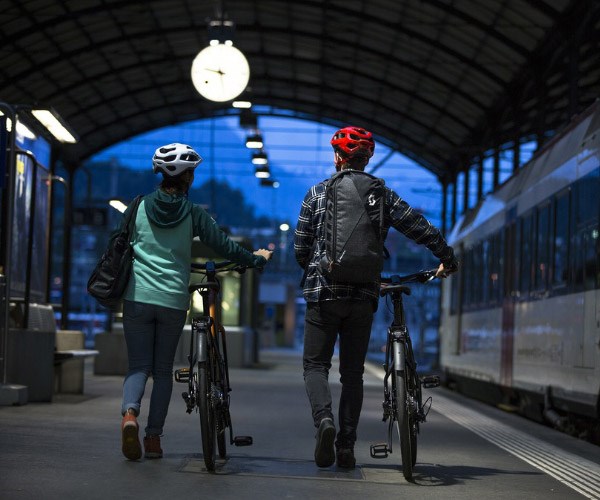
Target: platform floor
[70, 448]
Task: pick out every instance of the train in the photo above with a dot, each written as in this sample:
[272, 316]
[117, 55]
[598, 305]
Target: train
[520, 322]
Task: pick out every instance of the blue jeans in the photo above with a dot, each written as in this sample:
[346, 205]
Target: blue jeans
[152, 334]
[323, 322]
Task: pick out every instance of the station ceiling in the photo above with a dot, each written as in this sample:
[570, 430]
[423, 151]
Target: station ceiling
[440, 81]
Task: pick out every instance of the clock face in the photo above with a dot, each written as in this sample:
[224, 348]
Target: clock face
[220, 72]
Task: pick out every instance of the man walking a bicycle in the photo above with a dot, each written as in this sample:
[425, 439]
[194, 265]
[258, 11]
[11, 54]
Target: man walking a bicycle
[339, 240]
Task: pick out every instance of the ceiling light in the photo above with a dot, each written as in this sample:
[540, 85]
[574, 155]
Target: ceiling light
[22, 130]
[254, 141]
[118, 205]
[260, 158]
[241, 104]
[50, 119]
[262, 172]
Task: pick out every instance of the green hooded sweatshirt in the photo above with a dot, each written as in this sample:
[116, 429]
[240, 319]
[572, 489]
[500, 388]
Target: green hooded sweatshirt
[162, 242]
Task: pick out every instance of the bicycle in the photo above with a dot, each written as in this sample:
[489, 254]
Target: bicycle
[402, 404]
[208, 373]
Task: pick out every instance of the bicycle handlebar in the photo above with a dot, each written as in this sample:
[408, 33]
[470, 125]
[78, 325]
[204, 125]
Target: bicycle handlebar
[420, 277]
[225, 265]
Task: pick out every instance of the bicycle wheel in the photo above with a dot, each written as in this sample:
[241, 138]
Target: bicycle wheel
[222, 424]
[207, 414]
[403, 421]
[414, 424]
[220, 381]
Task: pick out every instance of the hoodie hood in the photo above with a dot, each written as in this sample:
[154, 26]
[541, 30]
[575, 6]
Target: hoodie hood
[166, 210]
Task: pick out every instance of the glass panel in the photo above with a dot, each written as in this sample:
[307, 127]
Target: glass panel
[543, 248]
[526, 257]
[561, 240]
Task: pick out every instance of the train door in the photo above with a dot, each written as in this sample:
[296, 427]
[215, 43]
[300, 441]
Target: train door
[586, 247]
[511, 267]
[590, 334]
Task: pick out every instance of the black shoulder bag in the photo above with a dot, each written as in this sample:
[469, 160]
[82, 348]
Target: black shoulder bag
[109, 279]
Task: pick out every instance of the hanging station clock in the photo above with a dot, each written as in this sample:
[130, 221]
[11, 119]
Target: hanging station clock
[220, 72]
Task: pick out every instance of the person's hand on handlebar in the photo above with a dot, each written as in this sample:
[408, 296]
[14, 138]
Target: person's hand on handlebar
[264, 253]
[444, 272]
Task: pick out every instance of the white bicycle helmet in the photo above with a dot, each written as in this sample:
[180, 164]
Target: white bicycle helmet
[174, 159]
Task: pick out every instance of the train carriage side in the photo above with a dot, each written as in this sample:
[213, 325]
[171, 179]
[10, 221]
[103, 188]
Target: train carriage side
[520, 323]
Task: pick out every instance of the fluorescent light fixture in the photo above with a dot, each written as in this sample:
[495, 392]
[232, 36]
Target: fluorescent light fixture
[262, 172]
[260, 158]
[242, 104]
[254, 142]
[22, 130]
[118, 205]
[55, 125]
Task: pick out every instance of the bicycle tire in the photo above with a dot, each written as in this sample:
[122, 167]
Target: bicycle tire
[403, 423]
[221, 383]
[222, 444]
[221, 422]
[207, 415]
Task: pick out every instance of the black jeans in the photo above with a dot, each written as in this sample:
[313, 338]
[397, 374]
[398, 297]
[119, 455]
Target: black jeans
[323, 322]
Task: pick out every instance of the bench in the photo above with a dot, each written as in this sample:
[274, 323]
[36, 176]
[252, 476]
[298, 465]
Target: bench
[62, 356]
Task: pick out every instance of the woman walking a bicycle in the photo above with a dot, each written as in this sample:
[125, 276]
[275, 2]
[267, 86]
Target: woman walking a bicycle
[157, 299]
[344, 307]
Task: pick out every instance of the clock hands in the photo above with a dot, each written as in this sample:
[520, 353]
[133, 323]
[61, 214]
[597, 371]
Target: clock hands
[218, 71]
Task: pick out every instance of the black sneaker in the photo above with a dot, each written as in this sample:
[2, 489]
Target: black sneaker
[345, 458]
[324, 452]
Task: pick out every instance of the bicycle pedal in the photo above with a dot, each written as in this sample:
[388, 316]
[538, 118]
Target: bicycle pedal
[182, 375]
[430, 381]
[242, 440]
[379, 450]
[189, 404]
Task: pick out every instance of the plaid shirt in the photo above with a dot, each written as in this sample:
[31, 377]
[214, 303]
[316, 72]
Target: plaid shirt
[397, 214]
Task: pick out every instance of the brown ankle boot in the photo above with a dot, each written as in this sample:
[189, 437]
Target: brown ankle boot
[130, 441]
[152, 446]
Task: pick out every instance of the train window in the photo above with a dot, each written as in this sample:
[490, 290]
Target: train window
[496, 268]
[478, 269]
[454, 287]
[527, 259]
[585, 241]
[542, 256]
[486, 265]
[561, 240]
[466, 279]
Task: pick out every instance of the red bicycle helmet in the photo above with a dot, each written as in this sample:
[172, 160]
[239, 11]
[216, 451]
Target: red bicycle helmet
[350, 142]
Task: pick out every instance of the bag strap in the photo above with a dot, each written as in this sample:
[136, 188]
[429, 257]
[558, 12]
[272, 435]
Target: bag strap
[130, 219]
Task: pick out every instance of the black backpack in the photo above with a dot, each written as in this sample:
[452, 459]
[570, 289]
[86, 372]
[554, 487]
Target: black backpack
[353, 227]
[110, 277]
